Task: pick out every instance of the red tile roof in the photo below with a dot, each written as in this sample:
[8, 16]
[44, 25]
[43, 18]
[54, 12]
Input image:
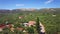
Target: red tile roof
[4, 25]
[31, 22]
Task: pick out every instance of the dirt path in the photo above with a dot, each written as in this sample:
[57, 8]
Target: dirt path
[42, 27]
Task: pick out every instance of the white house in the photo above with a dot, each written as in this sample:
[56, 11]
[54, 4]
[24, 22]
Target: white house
[25, 24]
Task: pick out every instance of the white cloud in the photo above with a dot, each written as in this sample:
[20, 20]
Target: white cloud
[49, 1]
[19, 4]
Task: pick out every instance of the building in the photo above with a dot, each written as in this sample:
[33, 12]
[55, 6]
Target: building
[25, 24]
[31, 23]
[2, 26]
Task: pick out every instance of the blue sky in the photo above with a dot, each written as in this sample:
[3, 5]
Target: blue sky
[14, 4]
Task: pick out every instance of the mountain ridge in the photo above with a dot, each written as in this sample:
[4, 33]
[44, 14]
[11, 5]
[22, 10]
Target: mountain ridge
[30, 9]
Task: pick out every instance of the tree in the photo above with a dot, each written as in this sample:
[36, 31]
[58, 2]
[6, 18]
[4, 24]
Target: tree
[30, 30]
[6, 31]
[38, 25]
[18, 31]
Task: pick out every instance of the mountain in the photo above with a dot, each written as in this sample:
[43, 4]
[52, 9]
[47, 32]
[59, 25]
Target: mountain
[16, 10]
[4, 11]
[44, 10]
[50, 10]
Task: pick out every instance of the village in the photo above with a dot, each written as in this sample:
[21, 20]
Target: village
[23, 27]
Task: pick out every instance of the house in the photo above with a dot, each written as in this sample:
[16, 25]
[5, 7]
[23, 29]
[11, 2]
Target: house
[25, 24]
[31, 23]
[2, 26]
[9, 25]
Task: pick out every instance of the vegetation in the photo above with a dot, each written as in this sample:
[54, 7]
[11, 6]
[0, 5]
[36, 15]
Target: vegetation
[30, 30]
[38, 25]
[46, 17]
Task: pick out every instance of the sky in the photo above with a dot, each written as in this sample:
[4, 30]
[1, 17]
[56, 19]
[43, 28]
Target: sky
[15, 4]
